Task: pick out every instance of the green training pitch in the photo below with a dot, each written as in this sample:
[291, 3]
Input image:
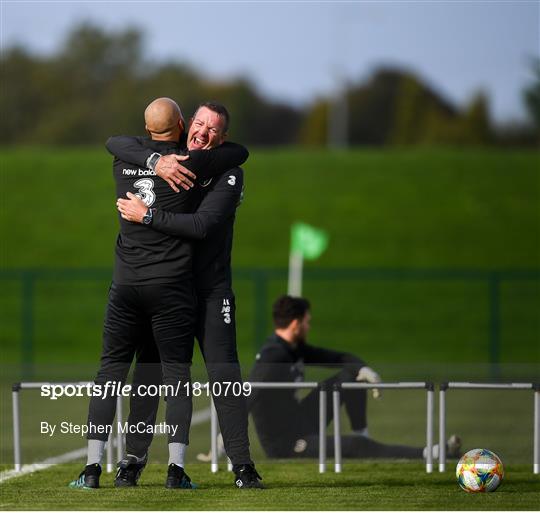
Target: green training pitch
[498, 420]
[290, 486]
[400, 208]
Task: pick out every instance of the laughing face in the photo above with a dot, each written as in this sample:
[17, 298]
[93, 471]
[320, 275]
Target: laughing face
[207, 130]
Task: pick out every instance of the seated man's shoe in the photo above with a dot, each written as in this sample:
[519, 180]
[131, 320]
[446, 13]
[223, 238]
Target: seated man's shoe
[453, 447]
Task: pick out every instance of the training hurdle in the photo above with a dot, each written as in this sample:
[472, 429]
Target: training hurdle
[277, 385]
[424, 385]
[15, 394]
[336, 413]
[488, 386]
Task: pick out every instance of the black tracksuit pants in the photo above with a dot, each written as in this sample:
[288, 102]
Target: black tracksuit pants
[169, 310]
[356, 446]
[304, 442]
[216, 334]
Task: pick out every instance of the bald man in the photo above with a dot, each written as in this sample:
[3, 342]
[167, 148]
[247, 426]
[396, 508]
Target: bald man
[163, 117]
[212, 226]
[152, 286]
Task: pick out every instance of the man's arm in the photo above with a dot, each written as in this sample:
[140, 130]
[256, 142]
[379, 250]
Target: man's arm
[209, 163]
[218, 205]
[319, 356]
[358, 369]
[129, 149]
[201, 164]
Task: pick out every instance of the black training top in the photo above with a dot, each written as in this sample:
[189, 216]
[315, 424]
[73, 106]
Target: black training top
[143, 255]
[211, 225]
[275, 412]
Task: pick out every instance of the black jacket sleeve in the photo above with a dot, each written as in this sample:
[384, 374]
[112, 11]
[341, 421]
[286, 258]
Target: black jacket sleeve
[218, 205]
[209, 163]
[204, 163]
[129, 149]
[327, 357]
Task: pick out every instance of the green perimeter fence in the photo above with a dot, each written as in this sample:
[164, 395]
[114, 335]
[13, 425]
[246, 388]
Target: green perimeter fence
[438, 314]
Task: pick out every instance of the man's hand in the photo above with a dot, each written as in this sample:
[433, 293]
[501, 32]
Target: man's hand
[132, 209]
[169, 168]
[370, 376]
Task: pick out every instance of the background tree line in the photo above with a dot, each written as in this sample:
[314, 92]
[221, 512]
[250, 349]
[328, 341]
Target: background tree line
[99, 83]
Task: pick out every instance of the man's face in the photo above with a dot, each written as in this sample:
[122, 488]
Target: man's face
[302, 328]
[206, 130]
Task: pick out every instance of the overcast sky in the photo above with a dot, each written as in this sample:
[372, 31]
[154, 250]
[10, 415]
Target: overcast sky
[294, 51]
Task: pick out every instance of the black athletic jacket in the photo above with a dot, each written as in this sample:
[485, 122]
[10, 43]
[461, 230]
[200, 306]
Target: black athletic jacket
[145, 256]
[212, 223]
[275, 412]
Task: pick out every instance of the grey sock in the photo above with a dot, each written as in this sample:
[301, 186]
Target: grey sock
[96, 449]
[177, 453]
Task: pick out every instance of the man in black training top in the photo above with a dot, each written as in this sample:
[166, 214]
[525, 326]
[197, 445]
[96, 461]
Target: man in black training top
[288, 427]
[212, 225]
[152, 286]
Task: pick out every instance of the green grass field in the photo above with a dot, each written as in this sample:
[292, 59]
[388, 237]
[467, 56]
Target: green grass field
[290, 486]
[409, 208]
[398, 418]
[384, 209]
[406, 208]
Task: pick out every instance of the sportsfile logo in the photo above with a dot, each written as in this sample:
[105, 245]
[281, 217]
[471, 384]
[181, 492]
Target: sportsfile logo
[226, 311]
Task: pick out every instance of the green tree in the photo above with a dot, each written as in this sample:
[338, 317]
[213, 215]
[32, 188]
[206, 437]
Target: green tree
[314, 127]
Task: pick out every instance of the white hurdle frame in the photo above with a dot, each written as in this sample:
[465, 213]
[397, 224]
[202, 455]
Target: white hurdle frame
[26, 385]
[403, 385]
[464, 385]
[276, 385]
[214, 433]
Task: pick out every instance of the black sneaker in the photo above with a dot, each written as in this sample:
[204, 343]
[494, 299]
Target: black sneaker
[177, 478]
[88, 478]
[247, 477]
[129, 471]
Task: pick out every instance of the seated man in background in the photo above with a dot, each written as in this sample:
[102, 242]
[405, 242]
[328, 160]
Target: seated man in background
[288, 427]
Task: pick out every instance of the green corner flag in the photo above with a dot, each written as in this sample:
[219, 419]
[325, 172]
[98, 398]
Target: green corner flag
[310, 242]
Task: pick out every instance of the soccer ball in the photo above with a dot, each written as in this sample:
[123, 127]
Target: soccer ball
[479, 470]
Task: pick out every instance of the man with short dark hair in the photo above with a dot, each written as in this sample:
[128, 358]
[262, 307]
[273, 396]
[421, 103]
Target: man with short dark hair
[152, 286]
[212, 226]
[288, 427]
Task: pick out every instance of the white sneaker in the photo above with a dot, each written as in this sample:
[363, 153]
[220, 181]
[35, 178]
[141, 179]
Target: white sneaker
[453, 447]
